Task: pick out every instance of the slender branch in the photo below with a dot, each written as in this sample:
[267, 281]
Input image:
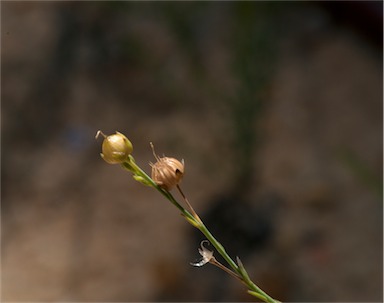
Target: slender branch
[189, 204]
[213, 261]
[192, 217]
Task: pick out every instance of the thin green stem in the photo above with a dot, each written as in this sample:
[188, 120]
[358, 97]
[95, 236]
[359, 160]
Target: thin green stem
[239, 270]
[245, 278]
[255, 289]
[220, 248]
[135, 169]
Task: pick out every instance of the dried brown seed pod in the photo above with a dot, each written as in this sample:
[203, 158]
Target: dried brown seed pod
[116, 148]
[167, 172]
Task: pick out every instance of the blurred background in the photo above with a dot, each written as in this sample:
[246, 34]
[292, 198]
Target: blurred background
[276, 108]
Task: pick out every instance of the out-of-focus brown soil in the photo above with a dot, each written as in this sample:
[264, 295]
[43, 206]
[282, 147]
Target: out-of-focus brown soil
[77, 229]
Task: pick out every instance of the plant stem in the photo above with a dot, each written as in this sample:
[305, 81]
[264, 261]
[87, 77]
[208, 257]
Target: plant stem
[245, 279]
[193, 219]
[134, 168]
[220, 248]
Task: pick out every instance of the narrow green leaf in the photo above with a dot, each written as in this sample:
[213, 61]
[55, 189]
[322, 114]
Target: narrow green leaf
[141, 180]
[242, 269]
[257, 295]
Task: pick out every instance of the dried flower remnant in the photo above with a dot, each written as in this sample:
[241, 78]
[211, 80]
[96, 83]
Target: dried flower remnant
[116, 148]
[207, 257]
[206, 254]
[167, 172]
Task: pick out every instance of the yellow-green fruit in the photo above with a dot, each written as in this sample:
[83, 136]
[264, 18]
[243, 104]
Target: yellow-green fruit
[116, 148]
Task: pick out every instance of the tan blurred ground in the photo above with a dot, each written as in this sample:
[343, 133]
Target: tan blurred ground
[77, 229]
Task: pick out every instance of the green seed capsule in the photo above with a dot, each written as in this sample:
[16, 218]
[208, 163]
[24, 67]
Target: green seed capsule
[116, 148]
